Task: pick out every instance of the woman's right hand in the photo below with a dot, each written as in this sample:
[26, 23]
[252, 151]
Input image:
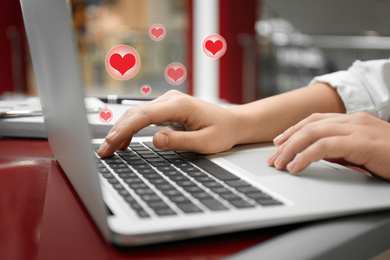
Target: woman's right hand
[211, 128]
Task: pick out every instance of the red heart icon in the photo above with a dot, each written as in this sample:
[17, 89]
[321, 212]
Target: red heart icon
[105, 115]
[145, 90]
[214, 47]
[175, 74]
[122, 64]
[157, 32]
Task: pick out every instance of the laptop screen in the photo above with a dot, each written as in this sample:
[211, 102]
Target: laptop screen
[153, 33]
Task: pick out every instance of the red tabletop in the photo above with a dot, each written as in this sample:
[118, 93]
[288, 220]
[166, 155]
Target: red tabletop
[41, 216]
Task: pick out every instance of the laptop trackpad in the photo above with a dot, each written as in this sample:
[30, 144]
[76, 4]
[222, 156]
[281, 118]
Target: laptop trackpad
[253, 161]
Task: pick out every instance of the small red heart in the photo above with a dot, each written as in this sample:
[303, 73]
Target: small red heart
[105, 115]
[122, 64]
[214, 47]
[157, 32]
[175, 74]
[145, 90]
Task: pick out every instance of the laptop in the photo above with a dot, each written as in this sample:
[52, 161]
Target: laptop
[144, 195]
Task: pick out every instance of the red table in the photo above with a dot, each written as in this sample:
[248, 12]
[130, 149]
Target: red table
[41, 216]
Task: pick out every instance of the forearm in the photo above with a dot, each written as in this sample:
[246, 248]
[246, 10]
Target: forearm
[262, 120]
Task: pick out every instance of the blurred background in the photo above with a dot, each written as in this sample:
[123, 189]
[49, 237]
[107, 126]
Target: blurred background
[273, 46]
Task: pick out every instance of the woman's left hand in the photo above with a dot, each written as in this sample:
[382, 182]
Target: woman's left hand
[359, 138]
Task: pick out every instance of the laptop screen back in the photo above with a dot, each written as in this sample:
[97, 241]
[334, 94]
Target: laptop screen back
[58, 77]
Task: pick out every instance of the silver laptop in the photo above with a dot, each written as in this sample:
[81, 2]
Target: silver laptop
[144, 195]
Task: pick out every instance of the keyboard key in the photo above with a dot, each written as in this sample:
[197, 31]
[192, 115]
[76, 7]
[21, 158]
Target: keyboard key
[193, 189]
[187, 154]
[113, 161]
[186, 166]
[139, 149]
[241, 204]
[204, 179]
[137, 185]
[168, 153]
[127, 175]
[158, 205]
[103, 170]
[213, 169]
[213, 184]
[132, 180]
[238, 183]
[189, 208]
[171, 193]
[131, 157]
[142, 214]
[248, 189]
[179, 199]
[140, 166]
[269, 202]
[101, 165]
[107, 175]
[150, 197]
[134, 162]
[174, 159]
[178, 178]
[129, 198]
[118, 186]
[150, 156]
[135, 144]
[145, 153]
[172, 173]
[259, 196]
[197, 174]
[118, 165]
[160, 164]
[144, 191]
[152, 176]
[121, 190]
[152, 160]
[123, 170]
[230, 196]
[135, 205]
[165, 168]
[220, 190]
[113, 180]
[213, 204]
[186, 183]
[146, 171]
[160, 181]
[165, 212]
[164, 186]
[201, 195]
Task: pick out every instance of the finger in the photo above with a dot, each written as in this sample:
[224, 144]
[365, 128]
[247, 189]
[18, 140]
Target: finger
[160, 99]
[302, 139]
[196, 141]
[330, 147]
[280, 139]
[138, 118]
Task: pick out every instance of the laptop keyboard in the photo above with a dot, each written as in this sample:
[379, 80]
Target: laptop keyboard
[155, 182]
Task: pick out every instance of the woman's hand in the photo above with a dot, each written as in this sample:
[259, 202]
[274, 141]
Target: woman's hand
[211, 128]
[358, 138]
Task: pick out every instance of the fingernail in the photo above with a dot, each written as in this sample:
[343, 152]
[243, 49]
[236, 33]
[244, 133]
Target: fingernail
[103, 147]
[278, 138]
[162, 140]
[291, 166]
[271, 158]
[277, 160]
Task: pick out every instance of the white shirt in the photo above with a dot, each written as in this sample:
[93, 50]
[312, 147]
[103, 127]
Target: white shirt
[365, 86]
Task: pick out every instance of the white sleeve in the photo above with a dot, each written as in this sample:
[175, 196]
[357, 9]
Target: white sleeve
[365, 86]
